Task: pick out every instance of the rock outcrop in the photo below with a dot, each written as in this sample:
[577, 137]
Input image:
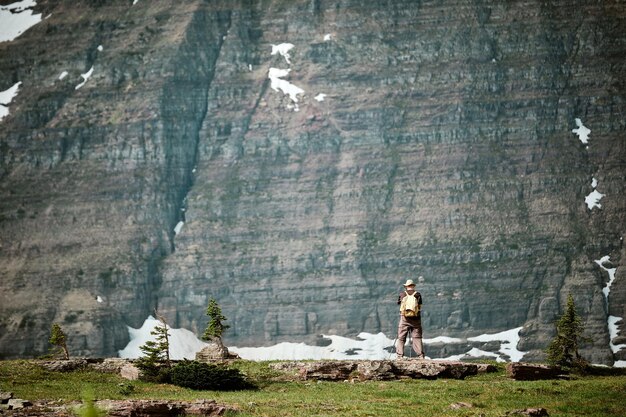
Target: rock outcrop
[377, 370]
[532, 372]
[394, 140]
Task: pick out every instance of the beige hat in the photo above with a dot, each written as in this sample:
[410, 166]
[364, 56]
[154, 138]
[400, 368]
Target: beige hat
[409, 282]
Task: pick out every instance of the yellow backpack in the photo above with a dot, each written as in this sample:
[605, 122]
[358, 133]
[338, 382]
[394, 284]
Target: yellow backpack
[409, 306]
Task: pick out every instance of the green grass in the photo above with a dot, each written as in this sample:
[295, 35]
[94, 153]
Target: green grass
[489, 394]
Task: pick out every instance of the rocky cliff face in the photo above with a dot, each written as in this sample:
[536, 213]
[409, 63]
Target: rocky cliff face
[393, 140]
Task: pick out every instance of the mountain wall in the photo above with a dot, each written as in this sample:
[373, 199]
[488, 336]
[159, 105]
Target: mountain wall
[298, 161]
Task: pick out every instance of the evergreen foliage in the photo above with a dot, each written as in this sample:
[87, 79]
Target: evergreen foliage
[563, 349]
[155, 363]
[216, 325]
[58, 338]
[204, 376]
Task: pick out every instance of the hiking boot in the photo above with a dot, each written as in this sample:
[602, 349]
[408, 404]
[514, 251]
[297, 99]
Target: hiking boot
[399, 357]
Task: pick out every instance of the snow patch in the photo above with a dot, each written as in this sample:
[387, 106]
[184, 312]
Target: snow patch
[16, 18]
[283, 49]
[99, 299]
[510, 339]
[612, 320]
[581, 131]
[100, 48]
[183, 343]
[614, 332]
[277, 83]
[85, 76]
[328, 37]
[593, 199]
[179, 227]
[320, 97]
[594, 183]
[611, 271]
[63, 75]
[135, 2]
[443, 339]
[6, 97]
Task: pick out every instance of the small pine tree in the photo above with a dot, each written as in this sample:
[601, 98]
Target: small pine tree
[216, 325]
[58, 338]
[563, 349]
[156, 352]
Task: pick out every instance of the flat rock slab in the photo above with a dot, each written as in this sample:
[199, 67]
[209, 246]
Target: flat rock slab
[378, 370]
[533, 372]
[156, 408]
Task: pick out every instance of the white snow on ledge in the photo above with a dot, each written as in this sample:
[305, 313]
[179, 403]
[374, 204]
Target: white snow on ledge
[85, 76]
[275, 75]
[283, 49]
[16, 18]
[185, 344]
[179, 227]
[581, 131]
[320, 97]
[614, 332]
[6, 97]
[593, 199]
[611, 271]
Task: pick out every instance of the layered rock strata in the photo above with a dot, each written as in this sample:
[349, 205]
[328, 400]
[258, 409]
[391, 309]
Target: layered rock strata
[411, 139]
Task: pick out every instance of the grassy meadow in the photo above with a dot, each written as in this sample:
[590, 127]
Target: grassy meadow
[281, 395]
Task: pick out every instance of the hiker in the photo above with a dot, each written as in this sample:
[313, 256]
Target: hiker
[410, 320]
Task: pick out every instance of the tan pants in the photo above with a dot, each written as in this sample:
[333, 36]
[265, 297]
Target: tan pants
[413, 325]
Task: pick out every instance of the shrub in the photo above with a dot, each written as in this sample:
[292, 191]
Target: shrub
[204, 376]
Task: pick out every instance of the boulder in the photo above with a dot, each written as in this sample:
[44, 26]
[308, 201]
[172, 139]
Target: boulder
[64, 365]
[5, 397]
[531, 372]
[129, 371]
[214, 351]
[17, 403]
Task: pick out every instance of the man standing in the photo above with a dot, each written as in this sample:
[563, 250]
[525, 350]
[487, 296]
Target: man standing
[410, 321]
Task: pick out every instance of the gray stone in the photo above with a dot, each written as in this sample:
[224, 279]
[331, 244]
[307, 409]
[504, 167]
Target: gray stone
[214, 351]
[17, 403]
[130, 372]
[5, 397]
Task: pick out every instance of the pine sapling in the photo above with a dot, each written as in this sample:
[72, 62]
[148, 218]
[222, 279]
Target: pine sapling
[563, 349]
[58, 338]
[216, 325]
[156, 352]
